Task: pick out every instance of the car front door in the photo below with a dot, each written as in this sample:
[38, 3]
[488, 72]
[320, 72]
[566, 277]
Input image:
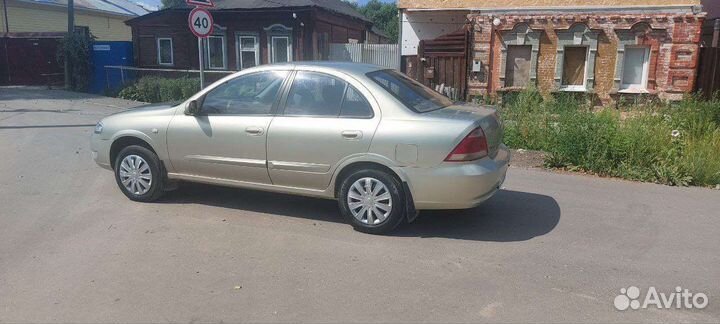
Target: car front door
[324, 120]
[227, 138]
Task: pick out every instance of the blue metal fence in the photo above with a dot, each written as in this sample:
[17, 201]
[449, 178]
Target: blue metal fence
[109, 53]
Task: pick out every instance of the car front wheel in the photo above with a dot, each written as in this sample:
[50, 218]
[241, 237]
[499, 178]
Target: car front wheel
[138, 174]
[372, 201]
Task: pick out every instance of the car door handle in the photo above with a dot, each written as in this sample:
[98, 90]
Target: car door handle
[351, 135]
[254, 130]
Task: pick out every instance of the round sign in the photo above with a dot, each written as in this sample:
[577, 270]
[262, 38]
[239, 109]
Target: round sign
[201, 22]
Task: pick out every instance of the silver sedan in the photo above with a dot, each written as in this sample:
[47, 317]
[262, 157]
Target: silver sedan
[383, 145]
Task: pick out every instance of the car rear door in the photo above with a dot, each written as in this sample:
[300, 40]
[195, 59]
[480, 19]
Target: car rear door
[227, 139]
[322, 121]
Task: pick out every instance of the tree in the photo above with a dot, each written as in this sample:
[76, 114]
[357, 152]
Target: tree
[172, 3]
[75, 48]
[383, 16]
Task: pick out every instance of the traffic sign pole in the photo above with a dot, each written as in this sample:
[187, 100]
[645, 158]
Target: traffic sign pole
[200, 22]
[202, 65]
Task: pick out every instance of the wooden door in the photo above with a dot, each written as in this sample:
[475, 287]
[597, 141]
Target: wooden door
[443, 63]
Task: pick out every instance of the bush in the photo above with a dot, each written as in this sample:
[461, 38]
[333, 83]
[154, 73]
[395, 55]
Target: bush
[671, 144]
[76, 48]
[156, 89]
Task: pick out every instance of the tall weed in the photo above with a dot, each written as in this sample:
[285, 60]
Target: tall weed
[674, 144]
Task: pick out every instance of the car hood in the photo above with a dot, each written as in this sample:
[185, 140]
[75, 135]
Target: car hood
[149, 109]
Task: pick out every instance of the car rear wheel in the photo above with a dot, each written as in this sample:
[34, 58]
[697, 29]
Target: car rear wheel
[138, 173]
[372, 201]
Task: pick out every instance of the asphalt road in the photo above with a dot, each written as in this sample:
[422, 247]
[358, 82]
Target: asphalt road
[548, 248]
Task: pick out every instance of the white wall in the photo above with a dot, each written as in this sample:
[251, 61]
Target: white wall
[417, 25]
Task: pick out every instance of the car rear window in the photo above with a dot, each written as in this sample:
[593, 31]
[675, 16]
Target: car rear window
[411, 93]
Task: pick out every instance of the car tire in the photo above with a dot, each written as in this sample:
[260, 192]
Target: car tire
[384, 190]
[139, 174]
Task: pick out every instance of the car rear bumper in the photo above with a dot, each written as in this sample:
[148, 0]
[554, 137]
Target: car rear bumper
[458, 185]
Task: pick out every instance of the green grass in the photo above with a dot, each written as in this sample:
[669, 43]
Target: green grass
[674, 144]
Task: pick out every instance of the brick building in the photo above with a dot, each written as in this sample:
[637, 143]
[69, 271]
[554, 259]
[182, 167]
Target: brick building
[603, 47]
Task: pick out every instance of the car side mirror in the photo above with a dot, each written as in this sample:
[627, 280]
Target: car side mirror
[192, 108]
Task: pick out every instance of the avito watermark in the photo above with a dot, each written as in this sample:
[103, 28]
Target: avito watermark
[678, 299]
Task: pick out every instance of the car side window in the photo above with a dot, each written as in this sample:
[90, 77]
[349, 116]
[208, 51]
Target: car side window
[315, 94]
[252, 94]
[355, 105]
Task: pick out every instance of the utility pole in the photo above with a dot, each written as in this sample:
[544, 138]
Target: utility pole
[716, 33]
[7, 31]
[71, 31]
[7, 24]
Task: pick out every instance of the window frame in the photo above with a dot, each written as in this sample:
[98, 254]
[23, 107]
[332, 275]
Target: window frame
[224, 52]
[291, 83]
[274, 109]
[239, 50]
[272, 48]
[568, 87]
[401, 76]
[158, 40]
[645, 72]
[357, 91]
[278, 30]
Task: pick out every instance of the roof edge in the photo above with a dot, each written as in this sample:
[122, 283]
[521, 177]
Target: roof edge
[79, 8]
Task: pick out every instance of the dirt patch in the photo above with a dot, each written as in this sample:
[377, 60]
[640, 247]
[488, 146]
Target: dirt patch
[527, 158]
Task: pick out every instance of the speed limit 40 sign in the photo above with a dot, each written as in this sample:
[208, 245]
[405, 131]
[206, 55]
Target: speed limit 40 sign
[201, 22]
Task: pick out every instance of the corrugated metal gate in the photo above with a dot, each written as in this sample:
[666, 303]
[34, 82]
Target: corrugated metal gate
[386, 55]
[30, 59]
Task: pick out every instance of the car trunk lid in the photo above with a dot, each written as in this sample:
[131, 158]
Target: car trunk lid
[484, 116]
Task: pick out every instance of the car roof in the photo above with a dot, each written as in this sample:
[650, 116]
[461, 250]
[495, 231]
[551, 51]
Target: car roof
[347, 67]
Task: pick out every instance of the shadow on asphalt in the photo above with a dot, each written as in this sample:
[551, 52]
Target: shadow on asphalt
[34, 93]
[48, 126]
[508, 216]
[38, 110]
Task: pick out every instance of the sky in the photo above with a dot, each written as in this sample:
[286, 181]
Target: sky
[156, 4]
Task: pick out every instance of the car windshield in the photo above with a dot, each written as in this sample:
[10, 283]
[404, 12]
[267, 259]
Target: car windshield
[410, 92]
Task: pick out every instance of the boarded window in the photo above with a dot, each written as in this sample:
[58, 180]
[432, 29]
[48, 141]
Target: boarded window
[517, 70]
[574, 66]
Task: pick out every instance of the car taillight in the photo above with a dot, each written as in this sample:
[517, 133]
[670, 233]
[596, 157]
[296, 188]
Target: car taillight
[472, 147]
